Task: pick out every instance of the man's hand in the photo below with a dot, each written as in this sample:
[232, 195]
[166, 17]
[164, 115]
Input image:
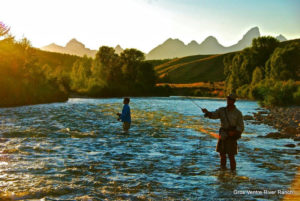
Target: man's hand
[204, 110]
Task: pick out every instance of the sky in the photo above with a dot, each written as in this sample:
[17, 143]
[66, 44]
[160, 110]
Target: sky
[144, 24]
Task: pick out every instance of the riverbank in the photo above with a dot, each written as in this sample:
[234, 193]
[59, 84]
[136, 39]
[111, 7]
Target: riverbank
[12, 102]
[285, 119]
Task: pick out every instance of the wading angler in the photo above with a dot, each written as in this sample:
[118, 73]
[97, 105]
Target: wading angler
[232, 126]
[125, 116]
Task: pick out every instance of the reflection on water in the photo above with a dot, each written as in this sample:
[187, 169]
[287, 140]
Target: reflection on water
[76, 150]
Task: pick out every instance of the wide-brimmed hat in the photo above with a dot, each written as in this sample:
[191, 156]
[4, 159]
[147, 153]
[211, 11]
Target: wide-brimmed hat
[232, 96]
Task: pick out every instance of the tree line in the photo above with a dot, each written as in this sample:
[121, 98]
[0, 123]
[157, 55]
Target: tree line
[267, 71]
[110, 74]
[22, 81]
[31, 76]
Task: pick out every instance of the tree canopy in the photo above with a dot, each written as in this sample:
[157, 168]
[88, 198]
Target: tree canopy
[110, 74]
[250, 71]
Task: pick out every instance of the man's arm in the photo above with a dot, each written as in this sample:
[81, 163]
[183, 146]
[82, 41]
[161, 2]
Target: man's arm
[125, 112]
[211, 115]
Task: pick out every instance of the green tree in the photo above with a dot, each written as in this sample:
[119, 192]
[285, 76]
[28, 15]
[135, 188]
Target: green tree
[233, 79]
[81, 73]
[247, 66]
[106, 66]
[239, 68]
[146, 75]
[257, 76]
[22, 76]
[284, 63]
[262, 48]
[130, 60]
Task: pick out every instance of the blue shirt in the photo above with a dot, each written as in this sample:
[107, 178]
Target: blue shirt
[125, 116]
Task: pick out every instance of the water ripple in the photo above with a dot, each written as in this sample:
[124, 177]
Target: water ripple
[76, 151]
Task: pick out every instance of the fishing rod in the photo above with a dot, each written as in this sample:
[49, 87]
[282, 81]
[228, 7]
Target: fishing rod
[196, 104]
[205, 115]
[213, 134]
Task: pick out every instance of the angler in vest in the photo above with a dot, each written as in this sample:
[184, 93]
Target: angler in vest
[232, 126]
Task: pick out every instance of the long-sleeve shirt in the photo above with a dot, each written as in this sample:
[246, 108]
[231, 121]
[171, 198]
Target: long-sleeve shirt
[125, 116]
[235, 118]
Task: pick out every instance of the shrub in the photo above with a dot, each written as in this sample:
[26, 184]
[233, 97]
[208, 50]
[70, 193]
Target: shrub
[243, 91]
[276, 93]
[296, 96]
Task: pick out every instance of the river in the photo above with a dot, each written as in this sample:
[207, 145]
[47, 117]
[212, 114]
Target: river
[76, 150]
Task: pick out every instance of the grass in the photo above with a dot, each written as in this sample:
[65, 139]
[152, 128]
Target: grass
[212, 85]
[208, 89]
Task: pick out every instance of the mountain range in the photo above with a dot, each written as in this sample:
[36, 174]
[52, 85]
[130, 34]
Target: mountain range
[75, 47]
[171, 48]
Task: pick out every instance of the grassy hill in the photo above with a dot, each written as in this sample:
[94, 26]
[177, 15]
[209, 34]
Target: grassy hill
[190, 69]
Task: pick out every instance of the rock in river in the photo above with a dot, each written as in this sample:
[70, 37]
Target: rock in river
[290, 145]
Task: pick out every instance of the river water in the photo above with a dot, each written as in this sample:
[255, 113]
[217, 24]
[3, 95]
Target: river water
[76, 150]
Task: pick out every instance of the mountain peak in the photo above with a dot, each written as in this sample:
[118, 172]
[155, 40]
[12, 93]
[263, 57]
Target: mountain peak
[246, 41]
[74, 44]
[210, 39]
[193, 43]
[51, 46]
[74, 40]
[254, 29]
[281, 38]
[118, 49]
[73, 47]
[172, 41]
[252, 33]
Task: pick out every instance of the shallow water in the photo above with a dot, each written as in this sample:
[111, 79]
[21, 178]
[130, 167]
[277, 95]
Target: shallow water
[76, 150]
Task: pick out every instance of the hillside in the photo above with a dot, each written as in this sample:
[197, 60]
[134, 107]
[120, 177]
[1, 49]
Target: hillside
[200, 68]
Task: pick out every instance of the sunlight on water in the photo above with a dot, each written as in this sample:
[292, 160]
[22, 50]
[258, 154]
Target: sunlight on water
[76, 150]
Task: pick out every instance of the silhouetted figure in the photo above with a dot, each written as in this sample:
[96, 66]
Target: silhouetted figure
[232, 126]
[125, 117]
